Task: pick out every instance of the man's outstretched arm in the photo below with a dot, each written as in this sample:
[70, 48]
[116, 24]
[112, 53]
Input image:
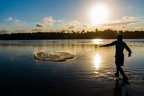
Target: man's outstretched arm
[106, 45]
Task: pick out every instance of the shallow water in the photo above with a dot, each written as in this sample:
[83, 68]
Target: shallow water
[90, 73]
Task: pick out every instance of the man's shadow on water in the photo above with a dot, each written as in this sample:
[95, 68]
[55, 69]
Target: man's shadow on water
[117, 89]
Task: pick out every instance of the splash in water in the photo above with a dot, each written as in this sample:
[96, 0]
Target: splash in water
[56, 57]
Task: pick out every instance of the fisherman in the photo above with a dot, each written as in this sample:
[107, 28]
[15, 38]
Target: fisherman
[119, 55]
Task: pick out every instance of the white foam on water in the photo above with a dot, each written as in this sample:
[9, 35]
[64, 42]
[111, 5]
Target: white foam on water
[57, 56]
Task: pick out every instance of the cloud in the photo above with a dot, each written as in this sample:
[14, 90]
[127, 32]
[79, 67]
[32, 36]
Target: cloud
[40, 25]
[21, 31]
[9, 19]
[71, 25]
[60, 21]
[4, 31]
[125, 23]
[48, 21]
[17, 21]
[127, 18]
[74, 22]
[123, 27]
[141, 28]
[121, 23]
[38, 30]
[85, 26]
[12, 19]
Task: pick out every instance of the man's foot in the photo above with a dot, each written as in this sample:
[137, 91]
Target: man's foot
[125, 78]
[116, 74]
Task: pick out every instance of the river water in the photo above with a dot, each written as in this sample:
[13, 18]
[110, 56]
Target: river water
[89, 73]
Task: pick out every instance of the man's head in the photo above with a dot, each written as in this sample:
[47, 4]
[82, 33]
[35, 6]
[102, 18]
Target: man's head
[119, 37]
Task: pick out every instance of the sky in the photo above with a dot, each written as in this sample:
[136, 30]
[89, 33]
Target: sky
[21, 16]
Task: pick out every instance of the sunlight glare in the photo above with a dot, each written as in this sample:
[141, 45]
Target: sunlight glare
[97, 61]
[99, 14]
[97, 41]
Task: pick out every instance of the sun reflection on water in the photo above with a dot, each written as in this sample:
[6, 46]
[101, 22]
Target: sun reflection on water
[97, 61]
[97, 41]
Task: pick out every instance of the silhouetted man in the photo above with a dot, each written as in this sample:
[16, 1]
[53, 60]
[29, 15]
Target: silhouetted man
[119, 55]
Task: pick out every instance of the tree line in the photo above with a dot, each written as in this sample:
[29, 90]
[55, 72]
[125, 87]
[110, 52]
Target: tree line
[105, 34]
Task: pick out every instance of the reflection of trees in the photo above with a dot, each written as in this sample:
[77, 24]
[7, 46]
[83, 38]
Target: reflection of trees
[106, 34]
[68, 46]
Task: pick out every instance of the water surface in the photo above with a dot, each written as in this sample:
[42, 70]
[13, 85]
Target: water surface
[88, 74]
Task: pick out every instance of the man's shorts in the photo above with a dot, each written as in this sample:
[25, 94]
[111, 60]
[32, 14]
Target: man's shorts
[119, 61]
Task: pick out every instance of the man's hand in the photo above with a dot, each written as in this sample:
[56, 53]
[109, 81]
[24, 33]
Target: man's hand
[102, 46]
[129, 54]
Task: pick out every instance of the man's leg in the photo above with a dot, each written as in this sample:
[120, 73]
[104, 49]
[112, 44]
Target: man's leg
[122, 72]
[117, 71]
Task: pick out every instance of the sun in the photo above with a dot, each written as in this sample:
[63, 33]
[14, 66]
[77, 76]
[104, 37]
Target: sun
[99, 14]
